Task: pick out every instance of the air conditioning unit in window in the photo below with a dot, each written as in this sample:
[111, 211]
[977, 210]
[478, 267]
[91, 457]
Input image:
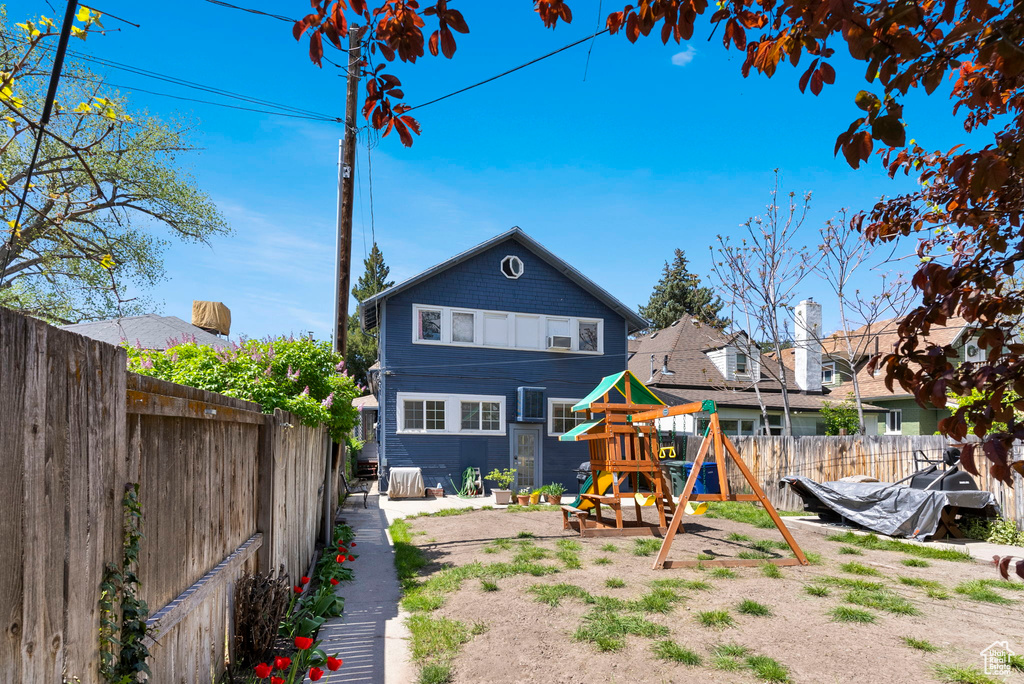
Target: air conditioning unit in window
[559, 342]
[530, 404]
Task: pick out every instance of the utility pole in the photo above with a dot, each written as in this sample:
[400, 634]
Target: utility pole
[346, 181]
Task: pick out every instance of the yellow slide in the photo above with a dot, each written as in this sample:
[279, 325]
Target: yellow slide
[604, 483]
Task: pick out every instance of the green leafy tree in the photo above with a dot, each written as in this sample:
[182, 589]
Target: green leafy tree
[299, 375]
[840, 417]
[107, 195]
[679, 293]
[361, 352]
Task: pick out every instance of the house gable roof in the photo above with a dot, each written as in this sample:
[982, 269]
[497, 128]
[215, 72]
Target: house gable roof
[150, 331]
[368, 308]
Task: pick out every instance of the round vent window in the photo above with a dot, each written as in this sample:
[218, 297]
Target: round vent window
[512, 267]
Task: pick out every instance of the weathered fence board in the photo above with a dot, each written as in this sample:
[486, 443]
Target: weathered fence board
[888, 458]
[75, 429]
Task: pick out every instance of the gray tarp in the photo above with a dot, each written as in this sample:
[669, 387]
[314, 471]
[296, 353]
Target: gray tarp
[405, 483]
[891, 509]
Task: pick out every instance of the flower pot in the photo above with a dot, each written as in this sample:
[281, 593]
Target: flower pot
[534, 498]
[555, 499]
[524, 499]
[502, 497]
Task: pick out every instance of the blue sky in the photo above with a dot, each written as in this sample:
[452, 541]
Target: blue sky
[660, 147]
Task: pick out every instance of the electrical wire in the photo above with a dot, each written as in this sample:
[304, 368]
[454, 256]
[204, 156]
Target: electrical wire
[250, 10]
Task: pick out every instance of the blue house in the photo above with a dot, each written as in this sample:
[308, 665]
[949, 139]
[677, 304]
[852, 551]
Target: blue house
[482, 357]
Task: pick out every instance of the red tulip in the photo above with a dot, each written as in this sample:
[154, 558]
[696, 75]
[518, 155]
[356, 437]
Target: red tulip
[302, 643]
[276, 680]
[342, 549]
[335, 582]
[315, 674]
[305, 580]
[263, 670]
[282, 663]
[352, 544]
[298, 589]
[333, 663]
[351, 558]
[340, 558]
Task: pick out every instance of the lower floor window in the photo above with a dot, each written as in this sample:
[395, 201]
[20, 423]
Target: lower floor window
[894, 422]
[562, 417]
[450, 413]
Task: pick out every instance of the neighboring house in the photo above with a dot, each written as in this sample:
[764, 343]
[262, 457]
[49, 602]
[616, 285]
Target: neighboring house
[690, 361]
[148, 331]
[482, 357]
[903, 415]
[366, 431]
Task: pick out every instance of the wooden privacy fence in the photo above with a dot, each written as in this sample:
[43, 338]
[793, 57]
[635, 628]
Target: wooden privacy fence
[886, 457]
[224, 489]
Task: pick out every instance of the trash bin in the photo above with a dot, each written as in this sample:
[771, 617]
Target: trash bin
[679, 471]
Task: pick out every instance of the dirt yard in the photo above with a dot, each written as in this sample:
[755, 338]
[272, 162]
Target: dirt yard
[520, 636]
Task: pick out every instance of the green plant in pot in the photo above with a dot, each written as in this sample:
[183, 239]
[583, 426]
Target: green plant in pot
[524, 496]
[502, 488]
[554, 492]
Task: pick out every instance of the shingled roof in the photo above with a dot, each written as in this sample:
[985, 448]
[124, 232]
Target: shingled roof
[149, 331]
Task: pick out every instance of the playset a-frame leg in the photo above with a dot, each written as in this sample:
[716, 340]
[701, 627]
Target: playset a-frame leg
[721, 446]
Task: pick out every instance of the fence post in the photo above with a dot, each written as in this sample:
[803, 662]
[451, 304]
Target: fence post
[265, 493]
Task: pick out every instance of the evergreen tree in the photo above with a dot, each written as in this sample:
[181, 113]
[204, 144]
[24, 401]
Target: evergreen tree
[679, 293]
[361, 351]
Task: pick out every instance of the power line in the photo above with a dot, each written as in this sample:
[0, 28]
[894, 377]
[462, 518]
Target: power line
[279, 17]
[510, 71]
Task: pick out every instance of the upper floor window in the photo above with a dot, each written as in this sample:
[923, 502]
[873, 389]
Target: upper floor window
[512, 267]
[828, 373]
[506, 330]
[741, 364]
[450, 413]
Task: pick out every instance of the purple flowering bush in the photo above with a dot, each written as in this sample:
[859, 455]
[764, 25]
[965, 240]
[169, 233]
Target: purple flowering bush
[299, 375]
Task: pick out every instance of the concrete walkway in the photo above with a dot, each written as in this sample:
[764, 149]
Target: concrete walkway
[371, 636]
[981, 551]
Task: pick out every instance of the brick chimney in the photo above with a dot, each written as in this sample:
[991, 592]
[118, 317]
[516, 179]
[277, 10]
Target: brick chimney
[807, 352]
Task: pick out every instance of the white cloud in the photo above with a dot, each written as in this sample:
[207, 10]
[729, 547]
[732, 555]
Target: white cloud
[685, 57]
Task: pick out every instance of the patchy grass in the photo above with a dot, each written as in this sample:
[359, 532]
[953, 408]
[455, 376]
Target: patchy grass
[446, 512]
[433, 644]
[605, 629]
[1004, 584]
[812, 557]
[920, 583]
[569, 545]
[705, 556]
[769, 545]
[915, 563]
[881, 600]
[979, 590]
[920, 644]
[657, 601]
[614, 583]
[938, 594]
[753, 555]
[678, 583]
[602, 560]
[723, 573]
[817, 590]
[409, 559]
[645, 547]
[741, 511]
[963, 674]
[771, 570]
[849, 583]
[850, 551]
[715, 619]
[526, 535]
[499, 544]
[430, 593]
[570, 559]
[727, 656]
[749, 607]
[552, 594]
[609, 548]
[768, 669]
[874, 542]
[671, 651]
[528, 551]
[532, 508]
[737, 537]
[855, 568]
[847, 614]
[488, 585]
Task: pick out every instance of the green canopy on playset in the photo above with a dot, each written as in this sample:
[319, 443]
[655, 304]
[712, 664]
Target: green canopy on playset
[638, 391]
[580, 430]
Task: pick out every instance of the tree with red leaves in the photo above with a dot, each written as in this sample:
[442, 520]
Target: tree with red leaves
[966, 211]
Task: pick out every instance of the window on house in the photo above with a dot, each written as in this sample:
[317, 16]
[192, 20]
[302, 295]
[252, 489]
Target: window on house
[828, 372]
[430, 324]
[774, 423]
[729, 427]
[496, 330]
[746, 427]
[481, 415]
[588, 336]
[561, 417]
[894, 422]
[463, 327]
[741, 364]
[413, 415]
[512, 267]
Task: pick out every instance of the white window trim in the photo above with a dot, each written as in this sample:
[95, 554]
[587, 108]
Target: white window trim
[478, 325]
[830, 367]
[452, 413]
[551, 413]
[509, 258]
[888, 431]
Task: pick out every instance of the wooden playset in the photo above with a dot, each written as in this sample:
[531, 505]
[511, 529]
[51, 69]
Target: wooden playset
[624, 450]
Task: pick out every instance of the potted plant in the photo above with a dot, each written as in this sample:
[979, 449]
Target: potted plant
[502, 488]
[535, 497]
[554, 493]
[524, 496]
